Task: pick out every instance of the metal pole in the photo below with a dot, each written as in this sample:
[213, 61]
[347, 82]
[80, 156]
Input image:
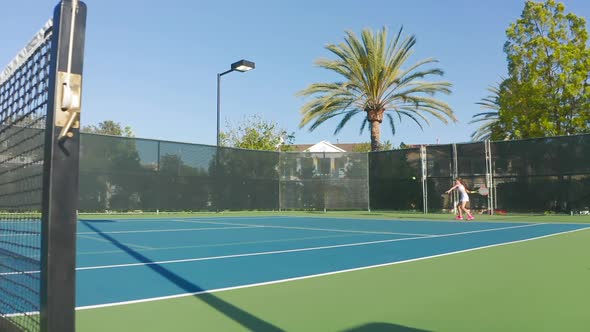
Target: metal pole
[490, 176]
[60, 172]
[424, 165]
[280, 176]
[369, 182]
[455, 175]
[218, 105]
[158, 156]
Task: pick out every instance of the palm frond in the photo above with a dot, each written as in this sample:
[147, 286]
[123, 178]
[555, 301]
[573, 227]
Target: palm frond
[376, 77]
[363, 125]
[414, 116]
[488, 119]
[345, 120]
[391, 123]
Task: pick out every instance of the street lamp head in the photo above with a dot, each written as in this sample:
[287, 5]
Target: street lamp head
[243, 65]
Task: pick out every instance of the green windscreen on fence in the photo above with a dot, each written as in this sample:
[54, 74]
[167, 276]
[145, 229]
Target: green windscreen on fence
[185, 177]
[471, 167]
[440, 173]
[246, 180]
[118, 174]
[546, 174]
[395, 180]
[128, 174]
[323, 181]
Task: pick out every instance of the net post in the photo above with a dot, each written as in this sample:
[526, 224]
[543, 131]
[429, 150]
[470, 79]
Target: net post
[60, 174]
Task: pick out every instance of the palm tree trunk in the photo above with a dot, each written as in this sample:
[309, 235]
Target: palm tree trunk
[375, 117]
[375, 135]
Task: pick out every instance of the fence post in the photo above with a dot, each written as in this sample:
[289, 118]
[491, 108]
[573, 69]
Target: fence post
[455, 174]
[490, 177]
[368, 182]
[280, 175]
[424, 165]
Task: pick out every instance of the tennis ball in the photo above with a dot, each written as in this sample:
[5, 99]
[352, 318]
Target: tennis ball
[413, 178]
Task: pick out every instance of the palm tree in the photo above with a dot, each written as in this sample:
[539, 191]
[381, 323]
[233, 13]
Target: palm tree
[490, 117]
[376, 84]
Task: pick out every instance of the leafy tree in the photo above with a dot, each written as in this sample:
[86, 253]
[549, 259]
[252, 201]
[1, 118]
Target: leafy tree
[362, 147]
[366, 147]
[255, 133]
[377, 81]
[547, 91]
[109, 127]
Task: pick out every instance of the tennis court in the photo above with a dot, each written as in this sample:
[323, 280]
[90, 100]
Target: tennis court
[123, 263]
[360, 269]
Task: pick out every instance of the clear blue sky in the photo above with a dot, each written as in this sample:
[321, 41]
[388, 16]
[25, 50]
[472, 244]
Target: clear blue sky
[152, 65]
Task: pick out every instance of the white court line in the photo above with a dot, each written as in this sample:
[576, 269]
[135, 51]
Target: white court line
[22, 314]
[303, 228]
[165, 219]
[169, 230]
[109, 242]
[320, 274]
[228, 244]
[21, 222]
[264, 253]
[18, 273]
[21, 234]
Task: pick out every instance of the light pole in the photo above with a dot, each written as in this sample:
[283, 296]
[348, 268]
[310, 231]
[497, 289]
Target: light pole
[241, 66]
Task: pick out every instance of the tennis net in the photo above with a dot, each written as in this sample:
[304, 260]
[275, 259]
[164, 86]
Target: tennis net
[23, 110]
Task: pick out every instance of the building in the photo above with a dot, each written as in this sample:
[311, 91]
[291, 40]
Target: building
[325, 146]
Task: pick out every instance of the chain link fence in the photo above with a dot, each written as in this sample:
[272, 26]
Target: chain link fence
[536, 175]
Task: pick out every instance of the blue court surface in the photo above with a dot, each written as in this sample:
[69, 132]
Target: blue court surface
[129, 260]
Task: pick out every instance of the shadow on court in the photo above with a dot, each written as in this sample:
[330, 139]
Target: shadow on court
[238, 315]
[384, 327]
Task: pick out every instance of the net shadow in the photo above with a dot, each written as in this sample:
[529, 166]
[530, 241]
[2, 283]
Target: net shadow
[240, 316]
[384, 327]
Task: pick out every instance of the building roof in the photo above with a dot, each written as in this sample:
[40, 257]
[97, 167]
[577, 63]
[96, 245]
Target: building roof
[326, 146]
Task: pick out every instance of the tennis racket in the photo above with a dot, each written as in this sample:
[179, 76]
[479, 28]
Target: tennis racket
[483, 190]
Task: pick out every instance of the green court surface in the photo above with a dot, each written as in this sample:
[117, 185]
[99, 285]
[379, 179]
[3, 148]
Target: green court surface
[537, 285]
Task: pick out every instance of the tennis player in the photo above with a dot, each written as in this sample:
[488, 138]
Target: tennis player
[463, 191]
